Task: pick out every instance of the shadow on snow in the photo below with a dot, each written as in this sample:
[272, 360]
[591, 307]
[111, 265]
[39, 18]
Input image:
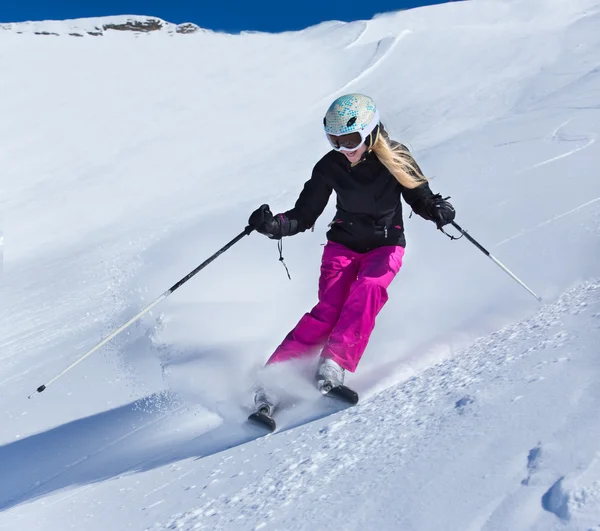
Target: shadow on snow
[128, 439]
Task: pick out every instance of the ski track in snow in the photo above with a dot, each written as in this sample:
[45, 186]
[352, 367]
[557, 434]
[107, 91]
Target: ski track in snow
[567, 154]
[549, 221]
[383, 49]
[559, 137]
[356, 41]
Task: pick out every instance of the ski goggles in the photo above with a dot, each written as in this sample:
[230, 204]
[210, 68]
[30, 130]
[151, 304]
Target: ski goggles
[348, 142]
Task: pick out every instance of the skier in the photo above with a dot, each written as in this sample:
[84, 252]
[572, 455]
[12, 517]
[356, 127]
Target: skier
[369, 172]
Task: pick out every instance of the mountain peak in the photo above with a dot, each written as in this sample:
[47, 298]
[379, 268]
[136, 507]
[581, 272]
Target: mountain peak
[101, 26]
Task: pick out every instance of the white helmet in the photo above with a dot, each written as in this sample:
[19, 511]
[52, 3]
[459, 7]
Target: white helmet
[354, 115]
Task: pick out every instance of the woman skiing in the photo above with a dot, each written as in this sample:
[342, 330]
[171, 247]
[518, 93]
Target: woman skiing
[369, 172]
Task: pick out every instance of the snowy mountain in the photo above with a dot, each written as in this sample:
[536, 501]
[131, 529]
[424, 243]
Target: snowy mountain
[100, 27]
[129, 157]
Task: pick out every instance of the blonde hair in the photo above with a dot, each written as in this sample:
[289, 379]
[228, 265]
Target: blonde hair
[398, 160]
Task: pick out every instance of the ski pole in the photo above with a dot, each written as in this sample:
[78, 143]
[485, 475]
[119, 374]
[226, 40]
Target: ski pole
[247, 231]
[492, 257]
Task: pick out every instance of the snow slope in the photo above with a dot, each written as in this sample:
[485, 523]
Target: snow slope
[129, 157]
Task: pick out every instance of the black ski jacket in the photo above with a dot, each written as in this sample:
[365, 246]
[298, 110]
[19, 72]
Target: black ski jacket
[369, 209]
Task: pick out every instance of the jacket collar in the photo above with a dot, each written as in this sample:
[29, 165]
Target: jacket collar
[366, 155]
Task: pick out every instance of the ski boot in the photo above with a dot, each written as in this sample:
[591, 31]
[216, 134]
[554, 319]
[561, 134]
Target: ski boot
[330, 381]
[329, 375]
[264, 402]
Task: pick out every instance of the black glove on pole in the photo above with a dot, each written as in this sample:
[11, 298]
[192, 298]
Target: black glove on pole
[263, 221]
[492, 257]
[247, 231]
[440, 210]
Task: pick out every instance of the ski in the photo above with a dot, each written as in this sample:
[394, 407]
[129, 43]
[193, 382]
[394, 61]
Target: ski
[344, 393]
[262, 418]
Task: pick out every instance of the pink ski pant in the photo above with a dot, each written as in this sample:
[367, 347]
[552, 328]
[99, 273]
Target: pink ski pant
[352, 291]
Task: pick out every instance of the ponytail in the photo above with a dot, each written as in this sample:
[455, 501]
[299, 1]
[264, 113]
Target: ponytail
[397, 159]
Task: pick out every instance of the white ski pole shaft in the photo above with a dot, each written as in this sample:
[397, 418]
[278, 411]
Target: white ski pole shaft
[495, 260]
[181, 282]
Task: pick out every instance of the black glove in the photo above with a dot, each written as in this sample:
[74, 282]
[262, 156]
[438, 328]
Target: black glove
[440, 211]
[263, 221]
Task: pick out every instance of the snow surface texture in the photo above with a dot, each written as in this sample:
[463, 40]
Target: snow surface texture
[128, 158]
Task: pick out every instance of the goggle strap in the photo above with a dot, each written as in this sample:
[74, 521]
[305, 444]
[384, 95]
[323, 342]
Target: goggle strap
[370, 142]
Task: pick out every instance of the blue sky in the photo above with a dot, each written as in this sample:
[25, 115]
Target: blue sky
[231, 16]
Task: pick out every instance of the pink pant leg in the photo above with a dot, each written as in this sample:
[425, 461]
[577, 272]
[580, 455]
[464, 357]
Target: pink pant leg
[339, 269]
[367, 296]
